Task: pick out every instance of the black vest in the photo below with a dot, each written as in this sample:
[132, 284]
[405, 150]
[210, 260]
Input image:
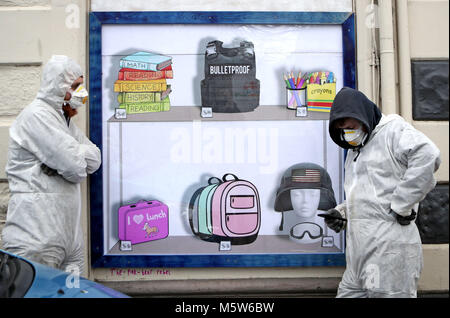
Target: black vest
[230, 84]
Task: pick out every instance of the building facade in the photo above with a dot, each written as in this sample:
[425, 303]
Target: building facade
[402, 47]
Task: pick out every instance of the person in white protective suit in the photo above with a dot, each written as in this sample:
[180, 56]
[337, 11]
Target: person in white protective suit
[48, 157]
[388, 171]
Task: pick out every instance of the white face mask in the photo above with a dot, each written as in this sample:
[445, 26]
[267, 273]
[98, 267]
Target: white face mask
[354, 137]
[79, 97]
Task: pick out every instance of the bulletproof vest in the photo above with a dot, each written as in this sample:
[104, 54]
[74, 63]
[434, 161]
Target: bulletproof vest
[230, 84]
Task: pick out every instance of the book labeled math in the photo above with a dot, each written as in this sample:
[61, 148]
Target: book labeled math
[142, 83]
[320, 91]
[146, 61]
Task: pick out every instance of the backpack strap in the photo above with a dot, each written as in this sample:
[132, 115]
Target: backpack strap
[224, 178]
[212, 178]
[191, 208]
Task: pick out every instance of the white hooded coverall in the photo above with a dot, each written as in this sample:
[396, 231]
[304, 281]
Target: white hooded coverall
[393, 170]
[43, 220]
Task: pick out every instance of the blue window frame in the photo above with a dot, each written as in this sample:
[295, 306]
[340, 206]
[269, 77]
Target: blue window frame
[96, 21]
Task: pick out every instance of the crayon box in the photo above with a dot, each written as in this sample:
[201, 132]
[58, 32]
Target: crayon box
[320, 96]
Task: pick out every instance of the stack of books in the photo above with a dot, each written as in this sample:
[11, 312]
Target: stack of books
[141, 83]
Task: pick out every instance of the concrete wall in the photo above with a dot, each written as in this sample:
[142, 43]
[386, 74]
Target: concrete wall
[33, 30]
[30, 32]
[426, 24]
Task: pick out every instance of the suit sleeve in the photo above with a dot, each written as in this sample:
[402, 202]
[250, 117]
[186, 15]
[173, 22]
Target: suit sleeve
[91, 151]
[43, 135]
[421, 158]
[342, 209]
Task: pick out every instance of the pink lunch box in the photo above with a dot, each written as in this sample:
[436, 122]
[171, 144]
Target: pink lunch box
[143, 221]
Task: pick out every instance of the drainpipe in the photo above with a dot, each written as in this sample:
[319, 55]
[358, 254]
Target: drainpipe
[366, 24]
[404, 61]
[387, 58]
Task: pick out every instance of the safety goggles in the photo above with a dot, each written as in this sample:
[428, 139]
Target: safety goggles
[313, 230]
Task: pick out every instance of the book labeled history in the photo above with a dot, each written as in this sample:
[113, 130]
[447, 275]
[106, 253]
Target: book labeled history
[129, 74]
[131, 97]
[140, 86]
[146, 61]
[148, 107]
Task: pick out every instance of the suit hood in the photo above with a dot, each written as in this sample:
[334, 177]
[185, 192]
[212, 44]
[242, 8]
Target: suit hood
[352, 103]
[57, 77]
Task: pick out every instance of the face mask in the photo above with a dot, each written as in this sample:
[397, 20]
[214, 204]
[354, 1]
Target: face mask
[354, 137]
[79, 97]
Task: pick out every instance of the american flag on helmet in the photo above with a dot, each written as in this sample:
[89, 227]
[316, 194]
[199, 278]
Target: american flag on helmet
[306, 176]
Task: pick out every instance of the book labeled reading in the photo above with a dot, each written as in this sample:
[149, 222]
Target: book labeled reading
[146, 107]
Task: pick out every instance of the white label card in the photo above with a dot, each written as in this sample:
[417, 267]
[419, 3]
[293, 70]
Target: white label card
[207, 112]
[126, 246]
[327, 241]
[225, 246]
[120, 113]
[302, 111]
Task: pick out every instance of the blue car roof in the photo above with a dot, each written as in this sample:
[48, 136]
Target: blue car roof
[49, 282]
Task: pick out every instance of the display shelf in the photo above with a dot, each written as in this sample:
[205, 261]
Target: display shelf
[191, 113]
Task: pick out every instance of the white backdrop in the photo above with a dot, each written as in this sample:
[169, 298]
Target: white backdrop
[170, 160]
[278, 50]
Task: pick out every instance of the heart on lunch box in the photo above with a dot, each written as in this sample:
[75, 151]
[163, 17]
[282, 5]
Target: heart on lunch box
[138, 218]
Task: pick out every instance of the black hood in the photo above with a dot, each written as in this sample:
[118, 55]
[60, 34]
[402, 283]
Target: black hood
[352, 103]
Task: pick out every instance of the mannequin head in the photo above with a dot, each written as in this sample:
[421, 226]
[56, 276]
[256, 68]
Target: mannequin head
[305, 202]
[305, 175]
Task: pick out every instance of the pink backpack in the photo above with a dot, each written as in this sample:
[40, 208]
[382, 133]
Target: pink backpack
[236, 211]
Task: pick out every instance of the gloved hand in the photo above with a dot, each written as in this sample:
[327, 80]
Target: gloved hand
[48, 171]
[405, 220]
[335, 224]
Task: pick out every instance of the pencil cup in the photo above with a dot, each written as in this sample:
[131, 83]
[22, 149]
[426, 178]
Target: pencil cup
[295, 97]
